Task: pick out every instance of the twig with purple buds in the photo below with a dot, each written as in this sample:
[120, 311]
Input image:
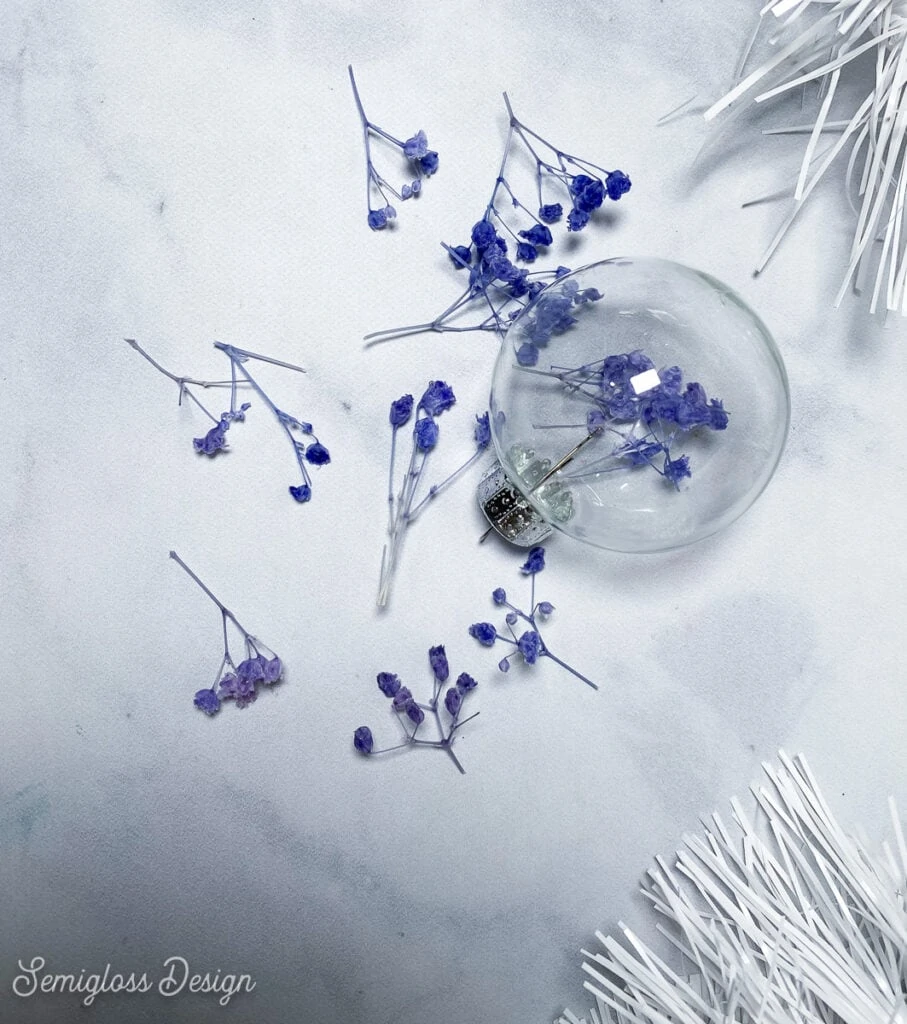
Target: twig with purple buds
[411, 715]
[497, 287]
[423, 162]
[529, 643]
[402, 503]
[236, 682]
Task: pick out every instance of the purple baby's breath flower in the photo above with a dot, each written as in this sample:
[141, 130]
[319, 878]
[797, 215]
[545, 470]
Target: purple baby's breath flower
[207, 701]
[676, 469]
[401, 698]
[551, 213]
[301, 492]
[426, 434]
[401, 410]
[526, 252]
[377, 219]
[416, 146]
[482, 431]
[388, 684]
[504, 665]
[535, 562]
[460, 256]
[577, 219]
[717, 416]
[453, 699]
[530, 646]
[465, 683]
[273, 670]
[250, 671]
[390, 212]
[499, 595]
[417, 186]
[591, 196]
[527, 354]
[538, 234]
[414, 712]
[317, 454]
[511, 618]
[214, 441]
[437, 658]
[545, 608]
[438, 398]
[483, 234]
[617, 184]
[363, 740]
[484, 632]
[429, 163]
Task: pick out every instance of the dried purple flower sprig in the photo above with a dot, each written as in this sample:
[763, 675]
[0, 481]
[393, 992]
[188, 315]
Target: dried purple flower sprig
[410, 714]
[497, 287]
[647, 410]
[423, 162]
[236, 682]
[308, 450]
[403, 506]
[529, 643]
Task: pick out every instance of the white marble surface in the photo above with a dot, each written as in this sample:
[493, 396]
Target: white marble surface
[181, 171]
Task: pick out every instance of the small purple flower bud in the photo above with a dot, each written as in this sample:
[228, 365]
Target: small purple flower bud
[302, 493]
[595, 420]
[390, 212]
[561, 272]
[504, 665]
[429, 163]
[545, 608]
[499, 595]
[538, 234]
[617, 184]
[526, 252]
[317, 454]
[535, 562]
[214, 441]
[483, 234]
[207, 701]
[417, 186]
[363, 740]
[406, 192]
[484, 632]
[401, 410]
[377, 219]
[527, 354]
[452, 701]
[482, 431]
[416, 146]
[388, 684]
[438, 398]
[512, 618]
[426, 434]
[460, 256]
[465, 683]
[530, 645]
[577, 219]
[401, 698]
[437, 658]
[273, 670]
[415, 713]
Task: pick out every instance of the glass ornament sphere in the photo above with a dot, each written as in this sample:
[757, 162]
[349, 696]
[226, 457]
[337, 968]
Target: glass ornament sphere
[636, 405]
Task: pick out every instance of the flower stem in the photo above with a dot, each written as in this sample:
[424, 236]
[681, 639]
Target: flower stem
[224, 610]
[547, 654]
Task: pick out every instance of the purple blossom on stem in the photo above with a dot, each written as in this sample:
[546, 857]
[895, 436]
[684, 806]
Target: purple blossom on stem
[411, 715]
[530, 644]
[306, 446]
[497, 290]
[641, 413]
[422, 162]
[236, 682]
[405, 502]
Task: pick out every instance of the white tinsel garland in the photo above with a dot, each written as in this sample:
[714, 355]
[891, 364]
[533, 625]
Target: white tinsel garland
[790, 922]
[819, 41]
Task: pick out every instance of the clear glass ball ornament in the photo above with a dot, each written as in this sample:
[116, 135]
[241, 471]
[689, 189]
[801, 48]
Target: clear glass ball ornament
[636, 405]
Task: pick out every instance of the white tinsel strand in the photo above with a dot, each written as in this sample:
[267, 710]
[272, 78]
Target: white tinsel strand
[784, 920]
[819, 41]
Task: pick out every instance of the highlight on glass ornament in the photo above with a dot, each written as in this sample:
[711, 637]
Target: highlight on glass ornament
[637, 405]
